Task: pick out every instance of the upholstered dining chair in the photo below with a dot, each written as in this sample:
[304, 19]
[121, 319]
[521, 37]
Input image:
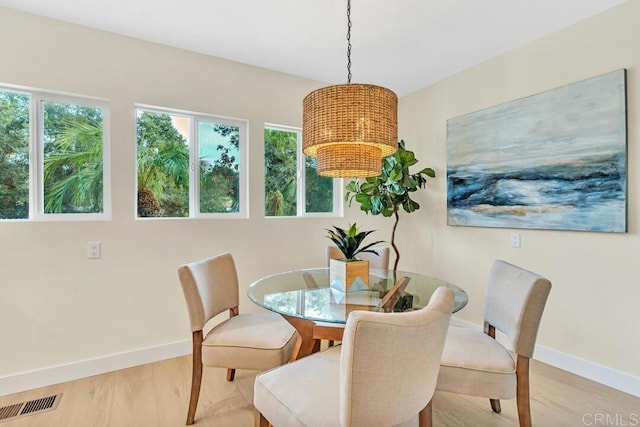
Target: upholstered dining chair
[256, 341]
[475, 363]
[383, 374]
[379, 261]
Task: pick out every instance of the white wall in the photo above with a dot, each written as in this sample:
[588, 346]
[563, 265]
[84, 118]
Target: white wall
[57, 307]
[594, 308]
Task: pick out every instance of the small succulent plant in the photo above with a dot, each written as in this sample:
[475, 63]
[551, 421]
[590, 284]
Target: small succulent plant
[350, 240]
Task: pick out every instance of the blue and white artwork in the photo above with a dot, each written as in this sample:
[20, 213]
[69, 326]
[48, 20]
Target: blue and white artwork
[555, 160]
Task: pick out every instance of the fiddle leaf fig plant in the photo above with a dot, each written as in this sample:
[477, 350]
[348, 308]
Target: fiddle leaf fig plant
[386, 193]
[350, 240]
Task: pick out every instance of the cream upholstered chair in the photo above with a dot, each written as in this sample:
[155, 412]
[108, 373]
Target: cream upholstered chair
[257, 341]
[474, 363]
[379, 262]
[383, 374]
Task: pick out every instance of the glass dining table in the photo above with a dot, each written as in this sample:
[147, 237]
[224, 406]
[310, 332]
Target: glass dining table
[319, 309]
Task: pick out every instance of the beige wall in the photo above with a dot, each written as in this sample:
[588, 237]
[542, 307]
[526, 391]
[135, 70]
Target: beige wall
[594, 307]
[58, 307]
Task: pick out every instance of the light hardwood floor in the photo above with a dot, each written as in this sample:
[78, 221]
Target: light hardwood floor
[157, 395]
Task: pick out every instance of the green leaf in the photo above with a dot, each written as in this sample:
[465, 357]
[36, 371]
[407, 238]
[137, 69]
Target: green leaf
[407, 157]
[429, 172]
[396, 174]
[376, 206]
[366, 205]
[367, 187]
[410, 206]
[387, 213]
[396, 188]
[388, 163]
[361, 198]
[350, 241]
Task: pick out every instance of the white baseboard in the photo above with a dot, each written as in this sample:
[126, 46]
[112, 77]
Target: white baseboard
[585, 368]
[16, 383]
[22, 381]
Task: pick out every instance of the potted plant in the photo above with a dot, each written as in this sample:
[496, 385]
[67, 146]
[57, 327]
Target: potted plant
[349, 271]
[390, 190]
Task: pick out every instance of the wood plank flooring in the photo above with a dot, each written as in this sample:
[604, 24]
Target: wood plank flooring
[157, 395]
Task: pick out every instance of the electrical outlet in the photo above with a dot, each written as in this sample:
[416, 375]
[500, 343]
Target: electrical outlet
[515, 240]
[93, 250]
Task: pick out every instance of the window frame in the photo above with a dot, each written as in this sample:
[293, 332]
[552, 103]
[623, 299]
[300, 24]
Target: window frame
[194, 170]
[301, 194]
[36, 154]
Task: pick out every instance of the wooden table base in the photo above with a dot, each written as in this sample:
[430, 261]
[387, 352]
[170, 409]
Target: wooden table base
[310, 334]
[306, 344]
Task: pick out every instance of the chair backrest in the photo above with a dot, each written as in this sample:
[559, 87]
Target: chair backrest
[514, 303]
[390, 361]
[210, 286]
[379, 262]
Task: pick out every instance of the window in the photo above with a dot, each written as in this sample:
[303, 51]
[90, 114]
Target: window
[14, 155]
[53, 162]
[292, 186]
[169, 146]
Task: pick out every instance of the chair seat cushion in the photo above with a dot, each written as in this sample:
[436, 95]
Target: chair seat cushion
[257, 341]
[280, 394]
[475, 364]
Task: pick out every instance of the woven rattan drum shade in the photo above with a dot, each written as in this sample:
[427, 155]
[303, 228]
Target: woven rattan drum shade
[349, 160]
[350, 128]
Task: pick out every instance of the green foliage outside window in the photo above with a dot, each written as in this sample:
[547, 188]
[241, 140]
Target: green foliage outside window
[219, 168]
[319, 189]
[281, 183]
[73, 163]
[14, 156]
[72, 169]
[163, 167]
[281, 165]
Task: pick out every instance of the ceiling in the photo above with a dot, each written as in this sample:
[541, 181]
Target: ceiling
[401, 44]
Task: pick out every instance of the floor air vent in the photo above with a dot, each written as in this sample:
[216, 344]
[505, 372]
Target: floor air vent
[31, 407]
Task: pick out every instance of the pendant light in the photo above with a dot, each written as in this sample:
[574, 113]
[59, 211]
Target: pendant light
[350, 127]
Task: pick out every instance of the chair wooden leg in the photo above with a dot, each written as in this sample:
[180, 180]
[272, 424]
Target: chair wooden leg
[490, 330]
[261, 421]
[196, 376]
[522, 395]
[425, 418]
[231, 373]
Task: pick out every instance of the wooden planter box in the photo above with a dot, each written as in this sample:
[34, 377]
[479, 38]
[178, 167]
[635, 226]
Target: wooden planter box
[347, 276]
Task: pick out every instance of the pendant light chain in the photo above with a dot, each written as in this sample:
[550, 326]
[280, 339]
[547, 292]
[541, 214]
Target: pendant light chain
[348, 41]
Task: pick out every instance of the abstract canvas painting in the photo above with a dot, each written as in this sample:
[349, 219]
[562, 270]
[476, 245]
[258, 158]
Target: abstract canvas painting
[554, 160]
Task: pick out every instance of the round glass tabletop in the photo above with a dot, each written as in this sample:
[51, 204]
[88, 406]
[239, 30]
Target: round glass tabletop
[308, 294]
